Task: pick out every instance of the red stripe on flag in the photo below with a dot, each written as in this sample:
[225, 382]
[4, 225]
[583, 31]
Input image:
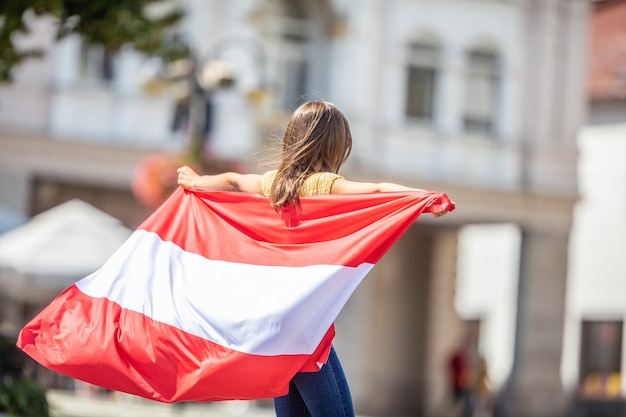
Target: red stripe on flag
[129, 352]
[333, 230]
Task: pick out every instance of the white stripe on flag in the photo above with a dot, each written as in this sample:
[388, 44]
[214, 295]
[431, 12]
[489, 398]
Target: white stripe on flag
[263, 310]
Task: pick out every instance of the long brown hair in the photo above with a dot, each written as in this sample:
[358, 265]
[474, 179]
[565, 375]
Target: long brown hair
[317, 138]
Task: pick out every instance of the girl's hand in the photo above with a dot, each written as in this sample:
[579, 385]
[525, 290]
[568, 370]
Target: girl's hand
[440, 212]
[186, 177]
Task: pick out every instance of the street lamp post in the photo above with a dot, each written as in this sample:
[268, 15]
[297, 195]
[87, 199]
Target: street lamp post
[196, 82]
[207, 76]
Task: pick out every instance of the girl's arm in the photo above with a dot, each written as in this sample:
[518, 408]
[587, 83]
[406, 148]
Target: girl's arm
[228, 181]
[343, 186]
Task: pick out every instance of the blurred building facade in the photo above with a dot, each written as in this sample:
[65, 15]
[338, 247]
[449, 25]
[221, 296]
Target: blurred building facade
[593, 363]
[481, 99]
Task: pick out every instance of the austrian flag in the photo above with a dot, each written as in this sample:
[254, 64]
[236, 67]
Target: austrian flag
[217, 296]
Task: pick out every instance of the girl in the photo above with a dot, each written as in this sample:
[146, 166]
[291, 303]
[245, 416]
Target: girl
[316, 143]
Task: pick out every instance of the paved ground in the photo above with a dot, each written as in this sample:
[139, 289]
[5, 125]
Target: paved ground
[65, 404]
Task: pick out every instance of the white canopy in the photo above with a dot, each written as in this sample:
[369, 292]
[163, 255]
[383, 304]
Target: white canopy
[57, 248]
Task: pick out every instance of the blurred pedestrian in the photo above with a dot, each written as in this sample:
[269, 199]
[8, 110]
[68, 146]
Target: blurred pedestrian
[470, 387]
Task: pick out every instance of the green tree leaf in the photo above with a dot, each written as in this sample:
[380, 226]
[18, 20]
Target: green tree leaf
[112, 24]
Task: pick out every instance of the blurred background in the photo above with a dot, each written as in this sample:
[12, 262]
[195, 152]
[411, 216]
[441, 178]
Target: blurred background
[513, 305]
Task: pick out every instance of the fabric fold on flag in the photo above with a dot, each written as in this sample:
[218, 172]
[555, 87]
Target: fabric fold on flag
[217, 296]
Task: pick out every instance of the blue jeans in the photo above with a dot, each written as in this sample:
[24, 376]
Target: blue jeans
[317, 394]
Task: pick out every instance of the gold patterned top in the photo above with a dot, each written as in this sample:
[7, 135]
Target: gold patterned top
[318, 183]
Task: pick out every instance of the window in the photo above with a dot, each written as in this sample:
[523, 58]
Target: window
[601, 358]
[422, 74]
[96, 63]
[290, 51]
[481, 91]
[295, 82]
